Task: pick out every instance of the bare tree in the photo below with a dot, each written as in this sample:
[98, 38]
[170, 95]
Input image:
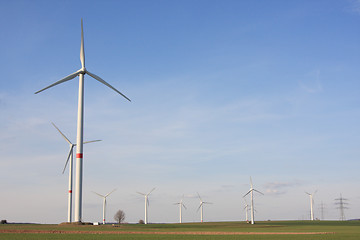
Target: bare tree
[119, 216]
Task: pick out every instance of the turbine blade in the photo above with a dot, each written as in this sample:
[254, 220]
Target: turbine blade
[308, 193]
[82, 52]
[251, 183]
[258, 191]
[184, 206]
[92, 141]
[70, 154]
[147, 201]
[141, 193]
[199, 196]
[61, 133]
[105, 83]
[199, 207]
[150, 191]
[110, 192]
[247, 193]
[71, 76]
[99, 194]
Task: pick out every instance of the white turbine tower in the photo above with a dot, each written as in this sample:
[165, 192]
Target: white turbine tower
[251, 191]
[104, 203]
[311, 204]
[70, 157]
[181, 205]
[246, 208]
[146, 203]
[201, 207]
[80, 122]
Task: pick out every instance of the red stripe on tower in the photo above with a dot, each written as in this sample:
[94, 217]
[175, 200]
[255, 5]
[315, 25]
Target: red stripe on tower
[70, 191]
[79, 155]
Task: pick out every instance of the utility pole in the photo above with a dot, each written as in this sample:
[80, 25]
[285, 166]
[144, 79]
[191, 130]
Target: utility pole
[341, 202]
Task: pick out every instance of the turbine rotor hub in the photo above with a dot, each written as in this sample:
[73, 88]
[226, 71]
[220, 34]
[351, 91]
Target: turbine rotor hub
[82, 70]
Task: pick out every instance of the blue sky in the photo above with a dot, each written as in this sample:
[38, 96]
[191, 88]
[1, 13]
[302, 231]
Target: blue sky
[221, 91]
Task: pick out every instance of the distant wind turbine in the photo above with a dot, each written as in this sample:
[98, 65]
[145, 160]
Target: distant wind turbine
[146, 203]
[246, 208]
[80, 122]
[104, 202]
[251, 191]
[201, 206]
[181, 205]
[70, 157]
[311, 204]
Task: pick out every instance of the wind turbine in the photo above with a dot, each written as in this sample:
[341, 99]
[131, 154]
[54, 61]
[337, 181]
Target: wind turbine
[251, 191]
[311, 204]
[201, 206]
[146, 203]
[80, 122]
[70, 157]
[246, 210]
[181, 205]
[104, 202]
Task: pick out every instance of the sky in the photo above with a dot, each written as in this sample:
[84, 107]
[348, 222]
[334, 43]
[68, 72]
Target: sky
[221, 91]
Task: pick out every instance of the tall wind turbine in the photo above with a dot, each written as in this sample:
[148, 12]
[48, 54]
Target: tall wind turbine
[146, 203]
[311, 204]
[80, 122]
[251, 191]
[201, 207]
[104, 202]
[181, 205]
[70, 157]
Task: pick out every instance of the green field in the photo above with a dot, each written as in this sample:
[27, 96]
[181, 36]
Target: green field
[349, 230]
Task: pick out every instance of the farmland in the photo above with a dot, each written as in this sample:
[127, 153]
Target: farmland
[322, 230]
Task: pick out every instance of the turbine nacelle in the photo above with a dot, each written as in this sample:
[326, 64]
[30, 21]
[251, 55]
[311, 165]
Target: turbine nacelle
[82, 70]
[181, 203]
[105, 196]
[252, 189]
[146, 195]
[72, 145]
[311, 194]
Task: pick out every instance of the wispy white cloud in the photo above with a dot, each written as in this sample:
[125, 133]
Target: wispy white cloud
[280, 188]
[225, 188]
[311, 82]
[354, 6]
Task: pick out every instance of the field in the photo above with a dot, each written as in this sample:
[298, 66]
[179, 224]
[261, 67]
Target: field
[295, 230]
